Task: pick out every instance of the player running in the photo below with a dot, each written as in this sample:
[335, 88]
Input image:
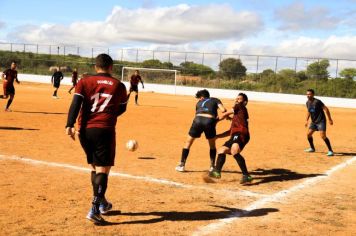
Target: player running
[74, 80]
[100, 99]
[205, 121]
[239, 137]
[9, 76]
[316, 110]
[134, 80]
[56, 81]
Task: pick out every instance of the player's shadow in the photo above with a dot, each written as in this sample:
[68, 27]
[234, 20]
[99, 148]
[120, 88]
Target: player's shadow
[263, 176]
[345, 154]
[223, 213]
[146, 158]
[15, 128]
[41, 112]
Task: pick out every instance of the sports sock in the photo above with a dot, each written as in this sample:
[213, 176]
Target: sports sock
[136, 98]
[310, 139]
[327, 141]
[212, 154]
[100, 185]
[241, 162]
[1, 96]
[220, 162]
[9, 103]
[185, 153]
[92, 176]
[55, 93]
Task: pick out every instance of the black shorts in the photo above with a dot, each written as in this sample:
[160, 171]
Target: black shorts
[203, 124]
[239, 138]
[321, 126]
[56, 85]
[9, 90]
[134, 88]
[99, 145]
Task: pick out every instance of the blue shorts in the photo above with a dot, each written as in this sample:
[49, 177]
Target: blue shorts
[321, 126]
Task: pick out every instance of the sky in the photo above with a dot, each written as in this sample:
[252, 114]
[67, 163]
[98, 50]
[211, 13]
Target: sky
[286, 28]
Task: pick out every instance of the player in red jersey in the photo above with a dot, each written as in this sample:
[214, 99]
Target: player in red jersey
[74, 80]
[99, 99]
[239, 137]
[9, 76]
[134, 80]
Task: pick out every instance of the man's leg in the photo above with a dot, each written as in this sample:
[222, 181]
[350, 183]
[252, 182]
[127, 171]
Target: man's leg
[235, 151]
[327, 142]
[212, 152]
[136, 98]
[310, 140]
[185, 153]
[9, 102]
[216, 173]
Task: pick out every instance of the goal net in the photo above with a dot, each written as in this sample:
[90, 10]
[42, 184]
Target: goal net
[151, 75]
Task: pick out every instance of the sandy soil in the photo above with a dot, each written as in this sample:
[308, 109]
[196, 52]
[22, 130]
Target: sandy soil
[45, 200]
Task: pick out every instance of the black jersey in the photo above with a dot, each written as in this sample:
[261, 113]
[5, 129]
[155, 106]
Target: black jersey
[208, 106]
[57, 76]
[316, 111]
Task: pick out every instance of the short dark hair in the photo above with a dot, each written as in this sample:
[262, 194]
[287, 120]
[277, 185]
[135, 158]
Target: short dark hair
[202, 93]
[14, 62]
[244, 96]
[311, 90]
[103, 61]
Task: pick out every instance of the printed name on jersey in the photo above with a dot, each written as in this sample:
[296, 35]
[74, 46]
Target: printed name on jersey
[105, 82]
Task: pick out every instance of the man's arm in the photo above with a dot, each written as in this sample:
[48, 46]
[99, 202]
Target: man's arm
[223, 135]
[307, 119]
[123, 100]
[226, 114]
[73, 114]
[52, 79]
[62, 76]
[17, 80]
[142, 82]
[326, 109]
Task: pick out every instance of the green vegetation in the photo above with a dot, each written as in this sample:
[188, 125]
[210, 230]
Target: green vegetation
[232, 74]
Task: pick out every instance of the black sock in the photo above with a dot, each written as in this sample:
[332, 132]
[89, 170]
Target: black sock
[220, 162]
[212, 154]
[55, 93]
[100, 185]
[310, 139]
[241, 162]
[1, 96]
[327, 141]
[8, 103]
[92, 176]
[185, 153]
[136, 98]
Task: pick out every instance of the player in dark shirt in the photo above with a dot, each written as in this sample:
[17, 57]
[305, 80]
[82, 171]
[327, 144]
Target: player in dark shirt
[134, 80]
[9, 76]
[239, 137]
[316, 110]
[205, 121]
[56, 81]
[74, 80]
[99, 99]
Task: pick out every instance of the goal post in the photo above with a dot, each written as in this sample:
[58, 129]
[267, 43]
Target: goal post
[151, 73]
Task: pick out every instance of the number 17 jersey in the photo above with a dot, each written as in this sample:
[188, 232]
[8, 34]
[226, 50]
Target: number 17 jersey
[102, 97]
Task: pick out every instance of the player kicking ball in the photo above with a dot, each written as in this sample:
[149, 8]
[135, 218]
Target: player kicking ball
[239, 137]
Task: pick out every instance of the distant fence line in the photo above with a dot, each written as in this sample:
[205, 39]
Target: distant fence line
[253, 63]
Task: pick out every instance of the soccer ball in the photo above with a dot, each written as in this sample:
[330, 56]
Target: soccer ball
[132, 145]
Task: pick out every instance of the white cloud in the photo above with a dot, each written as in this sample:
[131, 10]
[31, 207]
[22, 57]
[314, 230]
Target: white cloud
[167, 25]
[2, 24]
[296, 17]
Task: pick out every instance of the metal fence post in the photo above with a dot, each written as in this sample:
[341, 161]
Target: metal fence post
[276, 66]
[295, 65]
[136, 55]
[122, 54]
[337, 68]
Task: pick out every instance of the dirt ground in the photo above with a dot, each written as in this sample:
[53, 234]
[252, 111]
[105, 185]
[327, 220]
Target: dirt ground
[52, 196]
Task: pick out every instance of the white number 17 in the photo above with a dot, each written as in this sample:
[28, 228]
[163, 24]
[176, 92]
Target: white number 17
[98, 101]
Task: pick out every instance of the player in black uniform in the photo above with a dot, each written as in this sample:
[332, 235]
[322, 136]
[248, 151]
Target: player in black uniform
[316, 110]
[134, 80]
[205, 120]
[56, 81]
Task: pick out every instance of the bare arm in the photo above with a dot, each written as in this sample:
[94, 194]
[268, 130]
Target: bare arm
[326, 109]
[307, 119]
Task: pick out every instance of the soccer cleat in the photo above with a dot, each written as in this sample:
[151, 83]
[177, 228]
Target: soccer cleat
[8, 110]
[330, 153]
[215, 174]
[105, 207]
[211, 168]
[246, 179]
[94, 216]
[180, 168]
[309, 150]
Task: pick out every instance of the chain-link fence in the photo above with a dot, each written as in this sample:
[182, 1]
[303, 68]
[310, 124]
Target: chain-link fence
[262, 71]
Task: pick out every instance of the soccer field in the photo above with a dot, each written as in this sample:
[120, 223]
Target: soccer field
[45, 187]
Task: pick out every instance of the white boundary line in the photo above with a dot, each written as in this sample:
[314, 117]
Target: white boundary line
[214, 228]
[227, 193]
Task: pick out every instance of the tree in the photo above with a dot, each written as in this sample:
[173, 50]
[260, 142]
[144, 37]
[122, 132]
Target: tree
[232, 68]
[191, 68]
[152, 64]
[348, 73]
[319, 70]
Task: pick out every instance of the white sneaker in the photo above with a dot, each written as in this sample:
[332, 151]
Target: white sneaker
[211, 168]
[180, 168]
